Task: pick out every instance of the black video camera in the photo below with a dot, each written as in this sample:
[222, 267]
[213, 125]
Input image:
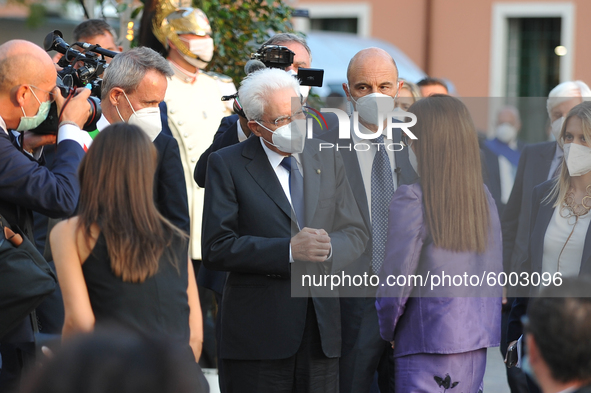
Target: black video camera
[277, 56]
[69, 78]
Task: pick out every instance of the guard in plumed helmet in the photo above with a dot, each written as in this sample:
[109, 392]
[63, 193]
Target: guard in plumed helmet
[193, 99]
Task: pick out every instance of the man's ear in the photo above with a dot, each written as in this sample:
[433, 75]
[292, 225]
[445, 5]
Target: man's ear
[253, 125]
[115, 96]
[20, 95]
[346, 90]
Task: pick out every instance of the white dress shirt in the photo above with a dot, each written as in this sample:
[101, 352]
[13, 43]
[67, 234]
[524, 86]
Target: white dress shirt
[3, 125]
[366, 158]
[557, 233]
[282, 175]
[241, 135]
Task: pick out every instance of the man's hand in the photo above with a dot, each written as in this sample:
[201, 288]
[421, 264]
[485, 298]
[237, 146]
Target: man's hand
[312, 245]
[33, 141]
[77, 109]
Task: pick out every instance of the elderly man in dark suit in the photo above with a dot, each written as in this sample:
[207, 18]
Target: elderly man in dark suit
[25, 185]
[277, 209]
[364, 352]
[501, 155]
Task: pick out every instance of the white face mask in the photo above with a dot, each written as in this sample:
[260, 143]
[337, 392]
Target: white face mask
[556, 127]
[289, 138]
[200, 47]
[577, 159]
[413, 160]
[148, 119]
[506, 133]
[374, 107]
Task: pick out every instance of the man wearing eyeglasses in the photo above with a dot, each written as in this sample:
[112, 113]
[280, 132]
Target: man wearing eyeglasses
[27, 88]
[277, 208]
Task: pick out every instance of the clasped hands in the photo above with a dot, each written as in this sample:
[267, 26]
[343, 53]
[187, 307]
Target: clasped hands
[310, 245]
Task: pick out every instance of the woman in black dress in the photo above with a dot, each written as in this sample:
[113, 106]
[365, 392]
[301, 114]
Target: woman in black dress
[119, 261]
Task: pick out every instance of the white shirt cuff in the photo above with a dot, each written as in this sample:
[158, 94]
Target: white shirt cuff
[73, 133]
[290, 256]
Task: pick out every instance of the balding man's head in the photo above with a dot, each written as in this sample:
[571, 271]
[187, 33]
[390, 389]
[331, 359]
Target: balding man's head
[371, 58]
[22, 62]
[27, 78]
[372, 71]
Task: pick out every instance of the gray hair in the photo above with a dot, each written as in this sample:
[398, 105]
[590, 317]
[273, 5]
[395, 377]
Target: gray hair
[127, 69]
[93, 27]
[284, 38]
[256, 89]
[566, 91]
[514, 111]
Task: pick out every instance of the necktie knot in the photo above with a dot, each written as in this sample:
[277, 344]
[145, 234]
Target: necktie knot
[379, 139]
[287, 162]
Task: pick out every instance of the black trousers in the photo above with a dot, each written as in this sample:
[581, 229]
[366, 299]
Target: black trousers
[515, 377]
[308, 371]
[369, 355]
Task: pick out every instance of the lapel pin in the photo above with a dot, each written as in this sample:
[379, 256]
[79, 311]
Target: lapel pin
[318, 171]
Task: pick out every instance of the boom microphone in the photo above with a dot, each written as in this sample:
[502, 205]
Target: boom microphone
[253, 65]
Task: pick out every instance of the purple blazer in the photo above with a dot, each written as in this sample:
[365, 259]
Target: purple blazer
[439, 320]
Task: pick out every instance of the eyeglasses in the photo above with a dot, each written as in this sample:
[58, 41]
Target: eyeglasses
[285, 120]
[51, 97]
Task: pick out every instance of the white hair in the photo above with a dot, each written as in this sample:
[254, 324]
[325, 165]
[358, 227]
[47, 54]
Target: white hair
[259, 86]
[566, 91]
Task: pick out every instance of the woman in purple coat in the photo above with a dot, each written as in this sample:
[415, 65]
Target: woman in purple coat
[439, 301]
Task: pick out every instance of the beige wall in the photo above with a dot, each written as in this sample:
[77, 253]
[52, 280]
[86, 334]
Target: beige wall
[460, 32]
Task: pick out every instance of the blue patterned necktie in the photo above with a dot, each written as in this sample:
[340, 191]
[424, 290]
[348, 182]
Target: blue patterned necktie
[296, 188]
[382, 189]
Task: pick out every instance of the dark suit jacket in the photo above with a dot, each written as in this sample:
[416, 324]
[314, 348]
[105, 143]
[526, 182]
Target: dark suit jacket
[26, 186]
[352, 300]
[540, 219]
[493, 174]
[533, 169]
[248, 224]
[226, 135]
[170, 190]
[164, 119]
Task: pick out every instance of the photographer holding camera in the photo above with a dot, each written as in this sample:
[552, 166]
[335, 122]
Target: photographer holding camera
[25, 185]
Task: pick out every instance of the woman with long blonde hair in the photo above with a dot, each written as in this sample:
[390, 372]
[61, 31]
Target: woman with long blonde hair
[560, 241]
[119, 261]
[446, 228]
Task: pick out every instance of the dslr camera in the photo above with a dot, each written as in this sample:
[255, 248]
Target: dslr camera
[78, 70]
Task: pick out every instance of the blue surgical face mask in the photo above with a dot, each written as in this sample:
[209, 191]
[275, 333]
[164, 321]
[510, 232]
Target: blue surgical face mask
[32, 122]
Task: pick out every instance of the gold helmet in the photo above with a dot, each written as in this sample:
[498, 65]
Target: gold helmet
[170, 21]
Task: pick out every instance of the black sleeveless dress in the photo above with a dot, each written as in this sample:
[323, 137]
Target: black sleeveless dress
[156, 307]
